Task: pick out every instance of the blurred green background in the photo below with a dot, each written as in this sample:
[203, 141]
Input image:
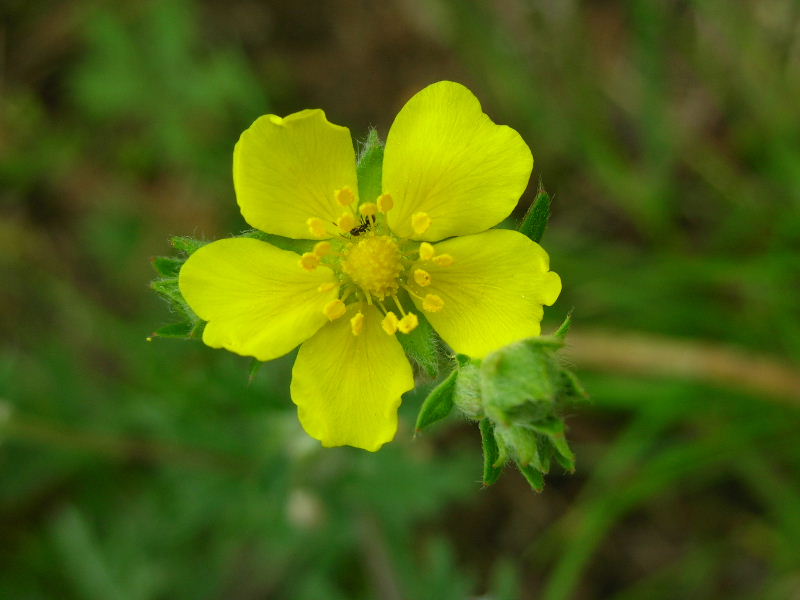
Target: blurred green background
[669, 133]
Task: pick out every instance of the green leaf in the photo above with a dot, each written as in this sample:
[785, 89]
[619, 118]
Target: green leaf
[439, 402]
[537, 217]
[370, 168]
[492, 463]
[185, 244]
[420, 345]
[533, 477]
[167, 266]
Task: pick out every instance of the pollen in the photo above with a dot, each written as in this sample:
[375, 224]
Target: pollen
[357, 323]
[408, 323]
[389, 323]
[344, 196]
[420, 221]
[443, 260]
[426, 251]
[322, 249]
[334, 309]
[317, 227]
[309, 261]
[385, 203]
[374, 264]
[346, 222]
[368, 209]
[422, 277]
[432, 303]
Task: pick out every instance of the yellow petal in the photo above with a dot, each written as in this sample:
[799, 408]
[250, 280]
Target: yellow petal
[444, 157]
[347, 387]
[492, 294]
[288, 170]
[257, 299]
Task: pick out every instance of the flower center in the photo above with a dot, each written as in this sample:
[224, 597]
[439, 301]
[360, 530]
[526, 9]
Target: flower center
[374, 264]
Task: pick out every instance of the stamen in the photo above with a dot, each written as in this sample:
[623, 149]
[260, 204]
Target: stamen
[357, 323]
[389, 323]
[422, 277]
[326, 287]
[344, 196]
[334, 309]
[443, 260]
[420, 221]
[408, 323]
[432, 303]
[426, 251]
[309, 261]
[385, 203]
[317, 227]
[368, 209]
[322, 249]
[399, 306]
[346, 222]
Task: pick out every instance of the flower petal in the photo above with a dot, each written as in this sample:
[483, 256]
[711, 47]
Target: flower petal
[257, 299]
[286, 170]
[493, 291]
[347, 387]
[444, 157]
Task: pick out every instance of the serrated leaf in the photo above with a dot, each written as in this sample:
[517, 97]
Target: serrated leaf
[537, 217]
[186, 244]
[492, 465]
[439, 402]
[167, 266]
[370, 168]
[533, 477]
[421, 347]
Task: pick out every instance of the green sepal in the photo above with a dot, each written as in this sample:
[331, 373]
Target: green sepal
[553, 430]
[370, 168]
[421, 346]
[168, 289]
[439, 402]
[167, 266]
[185, 244]
[298, 246]
[255, 367]
[184, 330]
[533, 477]
[563, 329]
[467, 393]
[493, 462]
[571, 387]
[524, 446]
[537, 217]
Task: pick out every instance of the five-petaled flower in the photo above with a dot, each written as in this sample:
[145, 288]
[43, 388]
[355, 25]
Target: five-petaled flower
[423, 246]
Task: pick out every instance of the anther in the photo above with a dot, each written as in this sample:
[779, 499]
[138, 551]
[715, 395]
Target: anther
[346, 222]
[385, 203]
[357, 323]
[422, 277]
[432, 303]
[326, 287]
[426, 251]
[309, 261]
[344, 196]
[443, 260]
[389, 323]
[322, 249]
[334, 309]
[408, 323]
[368, 209]
[420, 221]
[317, 227]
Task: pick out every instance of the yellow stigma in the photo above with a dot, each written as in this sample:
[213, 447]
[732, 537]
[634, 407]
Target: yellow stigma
[420, 221]
[389, 323]
[344, 196]
[309, 261]
[426, 251]
[316, 227]
[334, 309]
[432, 303]
[443, 260]
[422, 277]
[408, 323]
[374, 265]
[357, 323]
[346, 222]
[385, 203]
[368, 209]
[322, 249]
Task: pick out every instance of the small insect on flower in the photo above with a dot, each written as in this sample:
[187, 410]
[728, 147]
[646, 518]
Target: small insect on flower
[421, 250]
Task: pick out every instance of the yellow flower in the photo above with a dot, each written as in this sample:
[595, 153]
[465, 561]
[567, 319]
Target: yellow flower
[422, 246]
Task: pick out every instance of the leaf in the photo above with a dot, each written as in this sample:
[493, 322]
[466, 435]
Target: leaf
[420, 345]
[370, 168]
[439, 402]
[491, 453]
[537, 217]
[167, 266]
[533, 477]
